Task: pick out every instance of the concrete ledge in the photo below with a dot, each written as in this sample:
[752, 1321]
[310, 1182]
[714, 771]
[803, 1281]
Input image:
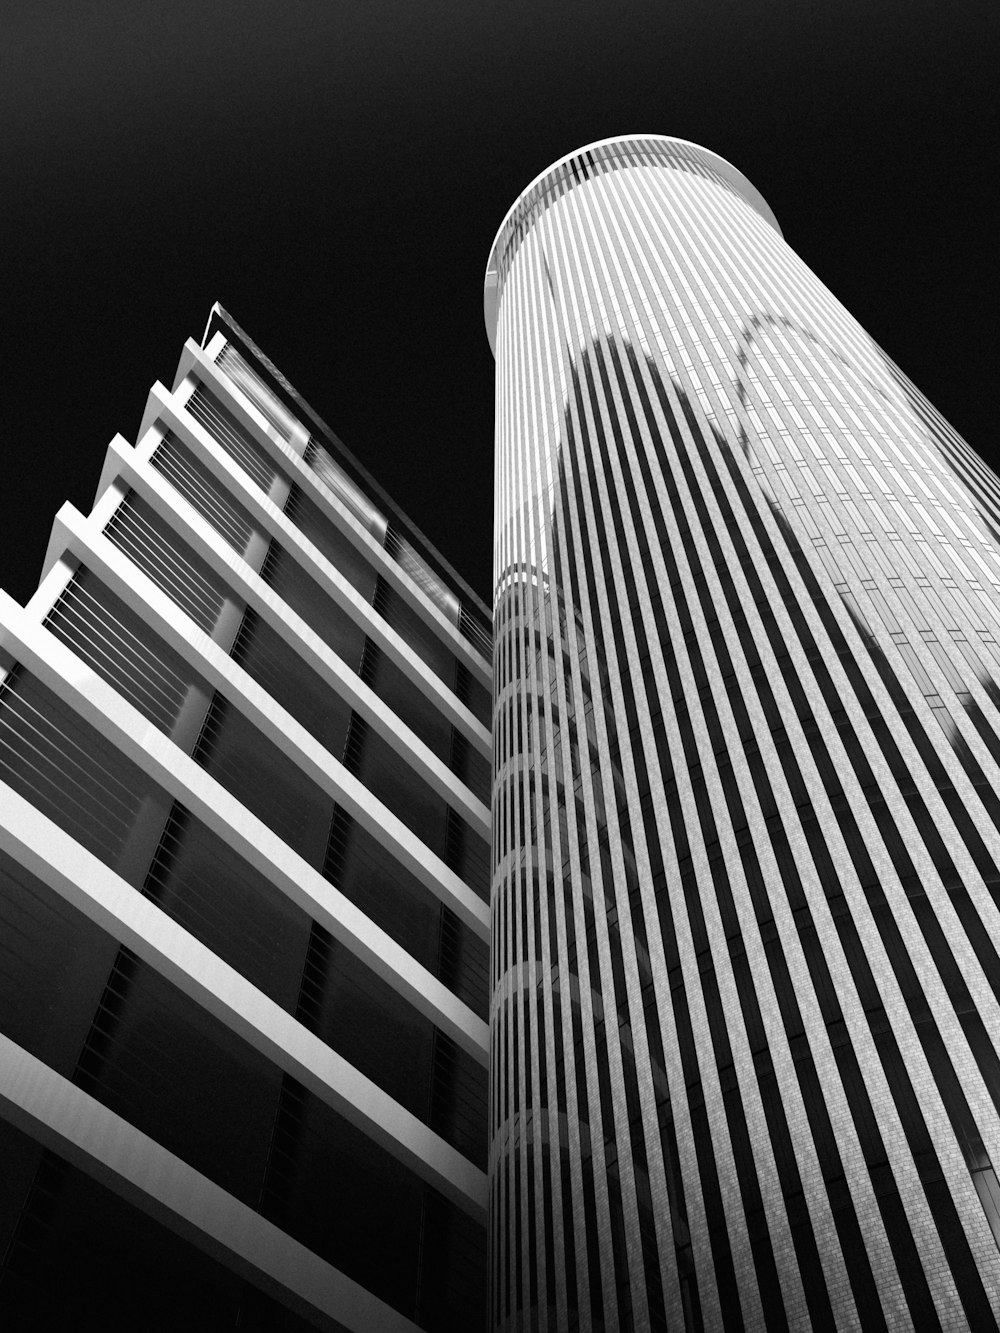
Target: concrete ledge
[107, 1148]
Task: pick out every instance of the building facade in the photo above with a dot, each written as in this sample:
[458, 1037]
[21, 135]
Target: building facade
[740, 1014]
[244, 870]
[746, 816]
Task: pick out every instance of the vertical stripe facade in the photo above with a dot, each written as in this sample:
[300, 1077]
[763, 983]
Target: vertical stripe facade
[745, 979]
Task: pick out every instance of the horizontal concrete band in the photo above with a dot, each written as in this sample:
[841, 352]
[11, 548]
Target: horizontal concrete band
[67, 1121]
[35, 842]
[220, 329]
[132, 466]
[84, 540]
[205, 370]
[100, 705]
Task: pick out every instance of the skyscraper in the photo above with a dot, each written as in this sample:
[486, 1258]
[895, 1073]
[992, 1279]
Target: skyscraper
[244, 863]
[742, 1001]
[746, 815]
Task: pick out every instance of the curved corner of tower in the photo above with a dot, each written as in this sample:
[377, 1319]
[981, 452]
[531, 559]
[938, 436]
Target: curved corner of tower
[579, 165]
[490, 301]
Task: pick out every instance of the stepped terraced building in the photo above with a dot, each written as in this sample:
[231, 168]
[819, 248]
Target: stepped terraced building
[732, 963]
[244, 865]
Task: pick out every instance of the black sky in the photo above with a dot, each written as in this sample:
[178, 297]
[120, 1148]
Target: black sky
[334, 172]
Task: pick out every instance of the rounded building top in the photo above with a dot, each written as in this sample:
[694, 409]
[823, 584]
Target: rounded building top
[605, 154]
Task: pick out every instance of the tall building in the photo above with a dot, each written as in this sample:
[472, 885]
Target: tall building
[745, 977]
[743, 995]
[244, 869]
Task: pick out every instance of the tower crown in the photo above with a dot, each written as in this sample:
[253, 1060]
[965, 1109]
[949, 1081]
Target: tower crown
[625, 150]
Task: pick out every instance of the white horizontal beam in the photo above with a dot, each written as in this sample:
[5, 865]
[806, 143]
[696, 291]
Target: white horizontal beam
[86, 883]
[133, 467]
[194, 359]
[87, 543]
[64, 1119]
[121, 724]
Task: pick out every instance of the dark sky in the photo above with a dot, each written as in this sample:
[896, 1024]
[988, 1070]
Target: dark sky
[334, 173]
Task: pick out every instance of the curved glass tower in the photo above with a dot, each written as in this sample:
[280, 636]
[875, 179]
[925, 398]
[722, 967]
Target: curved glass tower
[746, 813]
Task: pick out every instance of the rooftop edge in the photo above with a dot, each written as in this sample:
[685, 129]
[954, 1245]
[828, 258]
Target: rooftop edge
[725, 169]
